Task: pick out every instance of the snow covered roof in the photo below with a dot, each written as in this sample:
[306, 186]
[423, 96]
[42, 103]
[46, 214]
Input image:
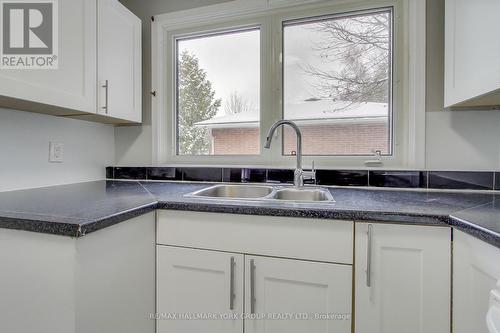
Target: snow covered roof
[307, 113]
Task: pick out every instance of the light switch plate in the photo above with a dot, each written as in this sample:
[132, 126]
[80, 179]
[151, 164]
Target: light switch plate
[56, 152]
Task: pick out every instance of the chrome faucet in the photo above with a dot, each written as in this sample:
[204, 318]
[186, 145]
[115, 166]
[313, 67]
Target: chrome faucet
[298, 176]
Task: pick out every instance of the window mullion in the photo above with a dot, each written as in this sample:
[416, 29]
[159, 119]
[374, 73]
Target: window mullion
[269, 112]
[277, 80]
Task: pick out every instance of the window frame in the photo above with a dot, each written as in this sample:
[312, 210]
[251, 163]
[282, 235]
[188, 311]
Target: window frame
[269, 15]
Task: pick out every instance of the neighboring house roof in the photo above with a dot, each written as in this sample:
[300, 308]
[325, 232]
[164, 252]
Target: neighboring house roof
[308, 113]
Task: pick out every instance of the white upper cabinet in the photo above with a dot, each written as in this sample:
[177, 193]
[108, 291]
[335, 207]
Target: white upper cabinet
[119, 62]
[97, 41]
[476, 270]
[472, 53]
[402, 279]
[72, 85]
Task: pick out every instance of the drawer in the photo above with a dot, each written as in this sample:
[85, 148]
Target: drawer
[287, 237]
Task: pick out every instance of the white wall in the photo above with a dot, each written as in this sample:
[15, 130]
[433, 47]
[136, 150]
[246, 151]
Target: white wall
[24, 149]
[455, 140]
[465, 140]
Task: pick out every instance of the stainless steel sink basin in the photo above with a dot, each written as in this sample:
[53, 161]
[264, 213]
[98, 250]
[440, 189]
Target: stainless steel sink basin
[234, 192]
[304, 194]
[264, 193]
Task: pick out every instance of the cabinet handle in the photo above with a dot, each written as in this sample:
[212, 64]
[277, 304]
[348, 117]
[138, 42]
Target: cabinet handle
[252, 286]
[232, 295]
[369, 257]
[105, 86]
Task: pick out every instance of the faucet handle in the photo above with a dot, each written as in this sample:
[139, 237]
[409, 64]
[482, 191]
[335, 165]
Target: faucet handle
[313, 172]
[310, 175]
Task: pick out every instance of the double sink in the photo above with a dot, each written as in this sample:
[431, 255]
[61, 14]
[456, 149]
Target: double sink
[264, 193]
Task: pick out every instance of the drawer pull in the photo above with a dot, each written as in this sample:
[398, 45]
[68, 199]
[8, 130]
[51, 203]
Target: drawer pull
[369, 257]
[252, 286]
[232, 295]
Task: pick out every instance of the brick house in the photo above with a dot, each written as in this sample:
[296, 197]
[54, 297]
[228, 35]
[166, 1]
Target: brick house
[328, 128]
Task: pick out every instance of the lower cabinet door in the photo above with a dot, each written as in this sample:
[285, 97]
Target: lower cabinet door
[402, 279]
[199, 291]
[294, 296]
[476, 270]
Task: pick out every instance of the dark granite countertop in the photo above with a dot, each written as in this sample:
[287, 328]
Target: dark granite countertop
[360, 204]
[78, 209]
[481, 221]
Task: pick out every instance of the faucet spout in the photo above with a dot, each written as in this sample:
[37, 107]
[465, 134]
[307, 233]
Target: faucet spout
[298, 174]
[267, 145]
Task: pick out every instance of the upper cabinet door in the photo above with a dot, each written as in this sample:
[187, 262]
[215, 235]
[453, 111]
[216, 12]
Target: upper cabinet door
[278, 287]
[72, 84]
[199, 282]
[402, 279]
[119, 62]
[472, 53]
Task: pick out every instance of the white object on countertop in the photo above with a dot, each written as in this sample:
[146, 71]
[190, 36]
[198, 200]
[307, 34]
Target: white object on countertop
[493, 315]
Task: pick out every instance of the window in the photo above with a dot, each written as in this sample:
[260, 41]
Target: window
[337, 83]
[218, 94]
[340, 70]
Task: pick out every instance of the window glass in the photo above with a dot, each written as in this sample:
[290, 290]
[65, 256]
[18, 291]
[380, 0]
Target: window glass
[337, 83]
[218, 94]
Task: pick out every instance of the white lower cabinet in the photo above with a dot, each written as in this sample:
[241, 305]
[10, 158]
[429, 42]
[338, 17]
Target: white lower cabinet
[295, 275]
[279, 295]
[402, 279]
[287, 275]
[198, 283]
[102, 282]
[476, 270]
[316, 295]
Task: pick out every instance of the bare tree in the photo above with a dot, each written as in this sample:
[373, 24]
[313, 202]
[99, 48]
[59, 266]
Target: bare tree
[237, 104]
[361, 47]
